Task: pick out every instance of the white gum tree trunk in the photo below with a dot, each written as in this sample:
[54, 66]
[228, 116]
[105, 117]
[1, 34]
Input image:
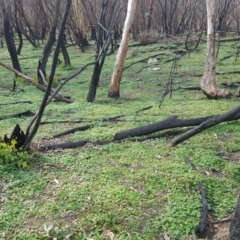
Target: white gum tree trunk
[208, 80]
[122, 51]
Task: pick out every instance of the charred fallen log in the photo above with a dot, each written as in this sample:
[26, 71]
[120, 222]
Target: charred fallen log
[203, 227]
[139, 131]
[82, 128]
[73, 144]
[212, 121]
[19, 102]
[27, 113]
[171, 122]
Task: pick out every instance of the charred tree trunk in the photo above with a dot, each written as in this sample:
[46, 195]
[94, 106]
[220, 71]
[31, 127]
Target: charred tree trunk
[101, 51]
[8, 34]
[235, 224]
[30, 135]
[66, 58]
[19, 33]
[51, 38]
[94, 83]
[122, 52]
[208, 80]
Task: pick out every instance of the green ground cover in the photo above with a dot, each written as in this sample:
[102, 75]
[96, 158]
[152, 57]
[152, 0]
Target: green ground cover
[129, 190]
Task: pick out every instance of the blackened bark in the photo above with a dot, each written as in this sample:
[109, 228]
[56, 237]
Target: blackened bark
[203, 227]
[139, 131]
[31, 135]
[66, 58]
[82, 128]
[39, 76]
[94, 83]
[206, 124]
[19, 33]
[51, 39]
[235, 224]
[93, 35]
[8, 34]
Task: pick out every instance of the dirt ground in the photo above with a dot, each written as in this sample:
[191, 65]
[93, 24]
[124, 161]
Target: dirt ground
[218, 232]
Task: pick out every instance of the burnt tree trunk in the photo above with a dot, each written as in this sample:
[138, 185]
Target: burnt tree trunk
[19, 33]
[8, 34]
[101, 52]
[208, 80]
[235, 224]
[66, 58]
[94, 83]
[51, 38]
[30, 135]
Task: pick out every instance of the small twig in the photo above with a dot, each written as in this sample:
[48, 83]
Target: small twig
[228, 219]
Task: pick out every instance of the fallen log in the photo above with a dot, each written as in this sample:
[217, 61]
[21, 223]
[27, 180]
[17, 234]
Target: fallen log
[212, 121]
[171, 122]
[103, 142]
[64, 145]
[19, 102]
[72, 145]
[160, 135]
[139, 131]
[27, 113]
[61, 121]
[82, 128]
[235, 224]
[203, 227]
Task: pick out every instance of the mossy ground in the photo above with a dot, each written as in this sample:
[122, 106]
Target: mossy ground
[129, 190]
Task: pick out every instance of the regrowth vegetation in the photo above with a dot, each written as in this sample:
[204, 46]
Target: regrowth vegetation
[121, 190]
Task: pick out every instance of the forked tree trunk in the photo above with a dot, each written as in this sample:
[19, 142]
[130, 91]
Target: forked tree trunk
[122, 51]
[37, 118]
[208, 80]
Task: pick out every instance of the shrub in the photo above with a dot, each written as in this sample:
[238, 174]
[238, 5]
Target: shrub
[9, 155]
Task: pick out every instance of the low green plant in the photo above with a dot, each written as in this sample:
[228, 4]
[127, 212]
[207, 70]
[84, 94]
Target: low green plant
[9, 155]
